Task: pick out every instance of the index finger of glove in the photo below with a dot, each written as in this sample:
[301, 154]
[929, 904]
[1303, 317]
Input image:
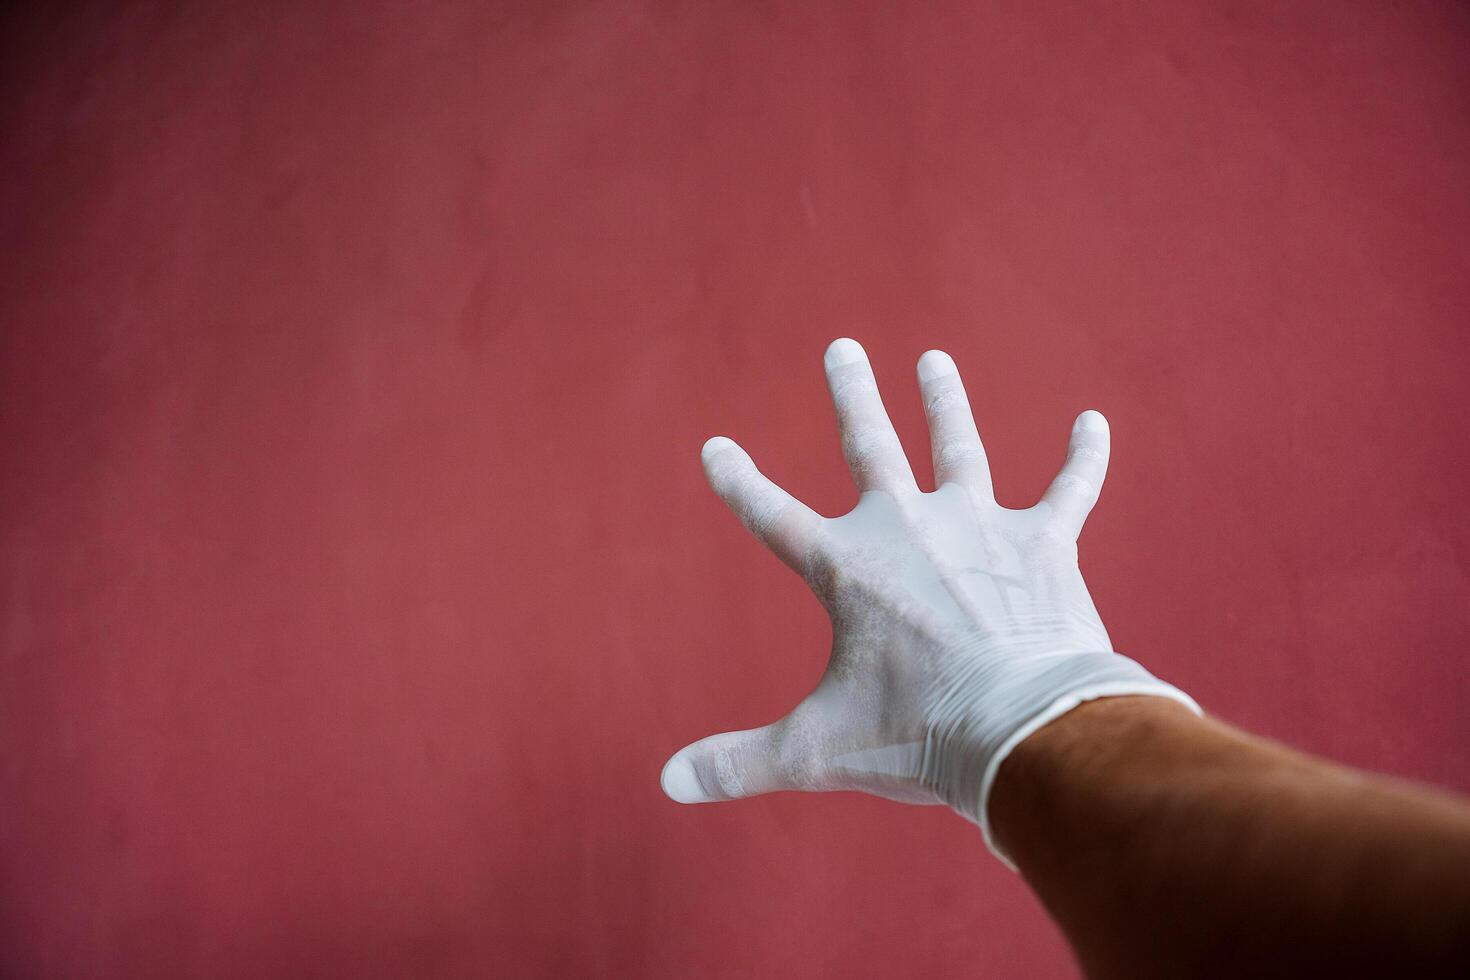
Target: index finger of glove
[786, 525]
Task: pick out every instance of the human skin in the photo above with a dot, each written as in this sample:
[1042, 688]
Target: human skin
[1169, 845]
[969, 667]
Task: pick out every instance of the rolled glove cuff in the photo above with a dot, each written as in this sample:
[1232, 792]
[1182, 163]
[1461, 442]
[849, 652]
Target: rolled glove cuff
[981, 717]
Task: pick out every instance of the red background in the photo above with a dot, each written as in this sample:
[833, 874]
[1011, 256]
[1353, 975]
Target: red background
[358, 570]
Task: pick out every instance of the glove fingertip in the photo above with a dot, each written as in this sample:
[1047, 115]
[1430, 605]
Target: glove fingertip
[681, 783]
[714, 446]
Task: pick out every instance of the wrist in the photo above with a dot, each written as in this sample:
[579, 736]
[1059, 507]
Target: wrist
[990, 705]
[1057, 772]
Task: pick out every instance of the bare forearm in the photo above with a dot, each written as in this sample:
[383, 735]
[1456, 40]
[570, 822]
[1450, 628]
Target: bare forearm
[1169, 845]
[1165, 845]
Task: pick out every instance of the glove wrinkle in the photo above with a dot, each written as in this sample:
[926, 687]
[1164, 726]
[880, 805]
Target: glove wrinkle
[959, 626]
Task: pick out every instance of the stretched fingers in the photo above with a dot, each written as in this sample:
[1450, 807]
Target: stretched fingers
[1075, 490]
[869, 443]
[786, 525]
[959, 456]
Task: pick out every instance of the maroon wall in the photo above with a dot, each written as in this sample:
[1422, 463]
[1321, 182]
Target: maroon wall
[357, 570]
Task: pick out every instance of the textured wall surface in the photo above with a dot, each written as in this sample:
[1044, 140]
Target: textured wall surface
[357, 573]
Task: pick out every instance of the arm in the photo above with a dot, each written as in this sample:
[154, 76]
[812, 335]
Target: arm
[964, 641]
[1169, 845]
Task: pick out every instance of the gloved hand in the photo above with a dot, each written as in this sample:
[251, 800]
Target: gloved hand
[959, 626]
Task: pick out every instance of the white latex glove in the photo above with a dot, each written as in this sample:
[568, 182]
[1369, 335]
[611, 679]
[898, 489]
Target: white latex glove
[959, 626]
